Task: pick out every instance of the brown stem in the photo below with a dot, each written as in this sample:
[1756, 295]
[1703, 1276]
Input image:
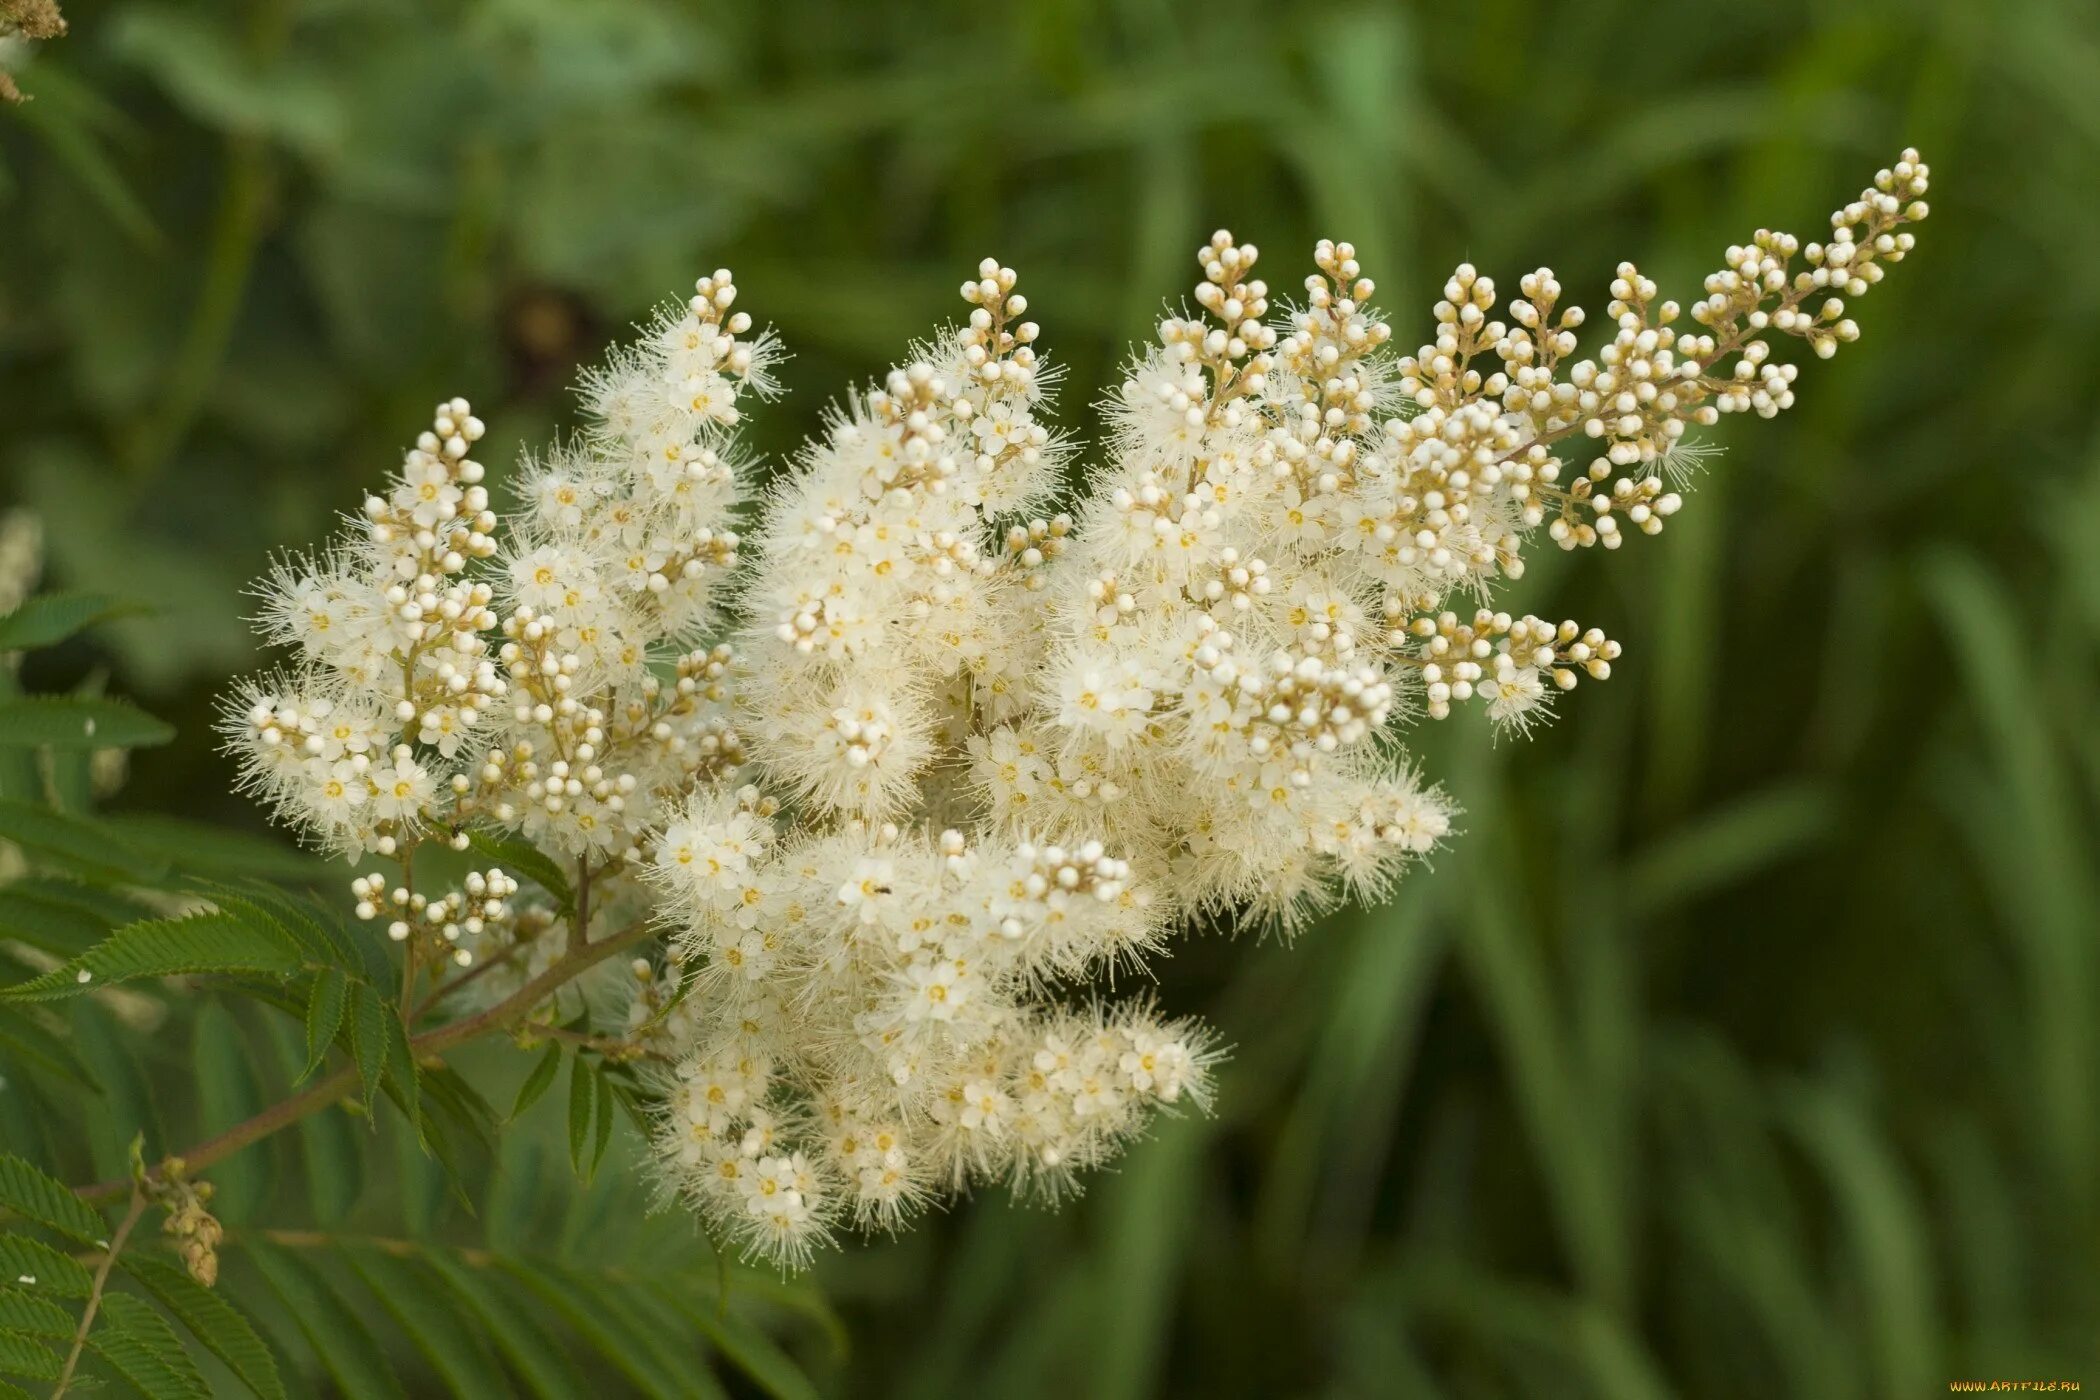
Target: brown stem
[434, 1042]
[446, 989]
[94, 1301]
[611, 1047]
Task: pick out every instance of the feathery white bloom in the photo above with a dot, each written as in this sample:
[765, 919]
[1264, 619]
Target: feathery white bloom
[937, 759]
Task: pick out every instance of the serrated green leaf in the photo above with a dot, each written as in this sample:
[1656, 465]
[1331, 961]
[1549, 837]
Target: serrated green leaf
[306, 935]
[76, 844]
[32, 1264]
[29, 1044]
[50, 618]
[343, 1344]
[368, 1015]
[602, 1119]
[401, 1068]
[537, 1082]
[519, 857]
[426, 1314]
[215, 941]
[316, 927]
[582, 1105]
[10, 1391]
[222, 1329]
[506, 1315]
[324, 1017]
[33, 1195]
[28, 1357]
[79, 722]
[456, 1095]
[144, 1349]
[63, 917]
[23, 1311]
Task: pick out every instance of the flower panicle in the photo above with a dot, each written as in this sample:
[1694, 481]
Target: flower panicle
[907, 747]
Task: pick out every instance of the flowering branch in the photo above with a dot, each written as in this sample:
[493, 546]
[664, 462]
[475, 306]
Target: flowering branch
[925, 754]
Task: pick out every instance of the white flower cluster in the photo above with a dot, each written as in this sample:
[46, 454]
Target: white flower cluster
[950, 756]
[555, 682]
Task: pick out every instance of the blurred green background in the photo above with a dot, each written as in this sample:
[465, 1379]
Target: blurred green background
[1745, 1045]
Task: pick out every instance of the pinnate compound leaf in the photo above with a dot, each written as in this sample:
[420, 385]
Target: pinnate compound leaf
[368, 1017]
[343, 1344]
[79, 722]
[753, 1352]
[200, 850]
[27, 1043]
[143, 1348]
[222, 1329]
[45, 1269]
[504, 1314]
[23, 1311]
[538, 1082]
[583, 1102]
[216, 941]
[33, 1195]
[426, 1314]
[28, 1357]
[76, 844]
[324, 1017]
[50, 618]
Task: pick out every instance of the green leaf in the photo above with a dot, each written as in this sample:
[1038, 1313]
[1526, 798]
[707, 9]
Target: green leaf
[503, 1313]
[28, 1043]
[537, 1082]
[20, 1311]
[57, 926]
[24, 1258]
[518, 857]
[144, 1349]
[582, 1105]
[34, 1196]
[324, 1017]
[25, 1356]
[601, 1127]
[74, 119]
[426, 1314]
[50, 618]
[346, 1349]
[63, 917]
[79, 722]
[369, 1014]
[223, 1330]
[76, 844]
[753, 1353]
[331, 1157]
[217, 941]
[227, 1093]
[316, 928]
[617, 1336]
[401, 1067]
[199, 849]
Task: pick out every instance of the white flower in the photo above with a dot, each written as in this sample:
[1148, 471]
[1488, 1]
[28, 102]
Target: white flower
[938, 766]
[400, 789]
